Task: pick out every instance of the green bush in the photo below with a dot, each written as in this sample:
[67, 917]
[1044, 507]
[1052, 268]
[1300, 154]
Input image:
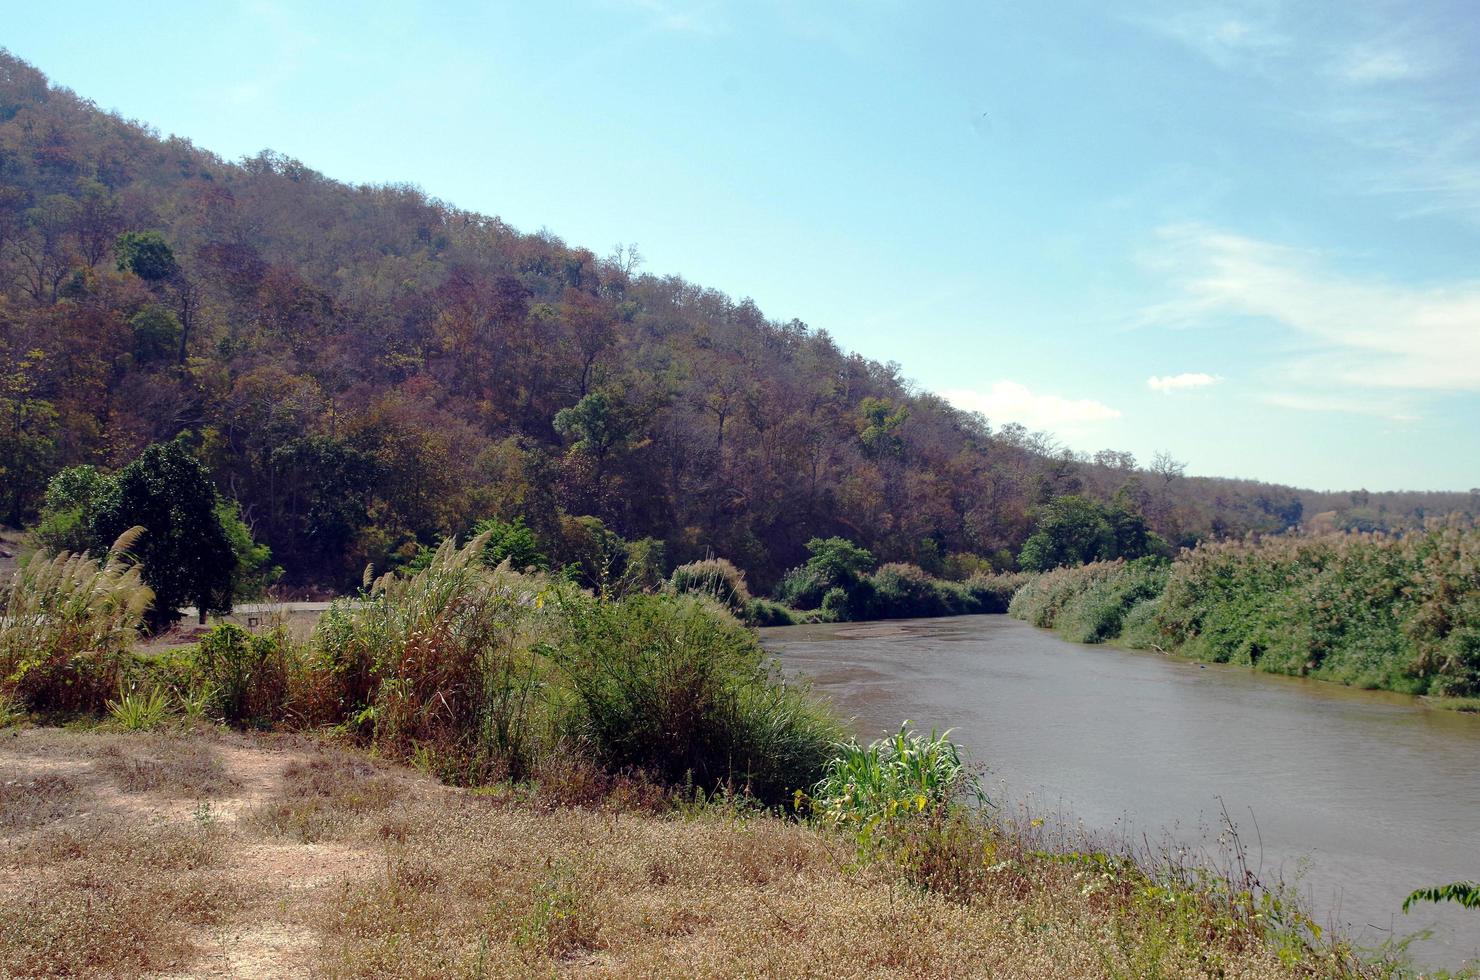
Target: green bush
[1043, 597]
[677, 688]
[1097, 613]
[715, 577]
[892, 779]
[246, 674]
[764, 612]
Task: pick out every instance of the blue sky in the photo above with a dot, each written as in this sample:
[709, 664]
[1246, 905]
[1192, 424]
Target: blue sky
[1242, 232]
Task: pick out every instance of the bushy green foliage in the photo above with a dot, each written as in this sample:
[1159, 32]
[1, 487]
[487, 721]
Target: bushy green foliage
[892, 779]
[139, 710]
[764, 612]
[514, 542]
[1098, 613]
[1401, 613]
[246, 674]
[680, 690]
[1043, 597]
[483, 672]
[1076, 530]
[67, 627]
[146, 254]
[196, 550]
[1370, 610]
[715, 577]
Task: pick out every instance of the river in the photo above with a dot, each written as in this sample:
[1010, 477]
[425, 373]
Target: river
[1358, 796]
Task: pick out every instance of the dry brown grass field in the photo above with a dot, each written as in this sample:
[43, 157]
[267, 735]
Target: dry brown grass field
[209, 853]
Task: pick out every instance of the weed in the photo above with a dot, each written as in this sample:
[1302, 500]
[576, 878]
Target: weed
[137, 711]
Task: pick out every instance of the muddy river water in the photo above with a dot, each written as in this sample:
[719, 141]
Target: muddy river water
[1358, 797]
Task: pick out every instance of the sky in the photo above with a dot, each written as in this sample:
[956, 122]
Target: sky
[1243, 232]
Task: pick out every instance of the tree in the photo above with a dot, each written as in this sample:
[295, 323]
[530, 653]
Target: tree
[513, 542]
[147, 255]
[1071, 530]
[186, 550]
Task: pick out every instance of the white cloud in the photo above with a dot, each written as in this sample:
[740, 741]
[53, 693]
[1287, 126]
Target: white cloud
[1179, 382]
[1381, 408]
[1365, 65]
[1230, 35]
[1009, 401]
[679, 16]
[1360, 332]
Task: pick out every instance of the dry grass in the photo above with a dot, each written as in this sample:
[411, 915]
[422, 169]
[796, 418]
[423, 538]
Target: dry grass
[152, 764]
[327, 863]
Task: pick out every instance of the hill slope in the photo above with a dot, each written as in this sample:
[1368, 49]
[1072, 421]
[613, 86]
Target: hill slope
[366, 369]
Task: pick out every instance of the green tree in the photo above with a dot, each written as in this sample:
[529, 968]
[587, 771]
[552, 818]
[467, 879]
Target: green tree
[147, 255]
[69, 512]
[1071, 530]
[156, 334]
[186, 551]
[513, 542]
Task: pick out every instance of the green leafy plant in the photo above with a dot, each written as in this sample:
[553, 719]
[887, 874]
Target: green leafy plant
[897, 777]
[1464, 893]
[138, 711]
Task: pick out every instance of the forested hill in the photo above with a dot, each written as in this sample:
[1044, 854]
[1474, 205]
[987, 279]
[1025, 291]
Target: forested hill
[366, 369]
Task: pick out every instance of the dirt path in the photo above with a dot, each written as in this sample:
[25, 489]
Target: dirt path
[212, 782]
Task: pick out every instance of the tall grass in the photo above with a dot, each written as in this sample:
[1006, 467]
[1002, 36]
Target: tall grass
[484, 673]
[680, 690]
[1401, 613]
[67, 626]
[439, 663]
[715, 577]
[1395, 612]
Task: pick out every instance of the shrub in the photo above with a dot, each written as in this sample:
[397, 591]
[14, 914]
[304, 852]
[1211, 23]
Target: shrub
[902, 590]
[67, 626]
[247, 673]
[715, 577]
[992, 593]
[1041, 598]
[137, 711]
[677, 688]
[1097, 613]
[891, 779]
[436, 663]
[764, 612]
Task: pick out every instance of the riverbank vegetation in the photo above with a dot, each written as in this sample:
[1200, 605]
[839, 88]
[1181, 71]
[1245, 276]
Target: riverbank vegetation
[641, 794]
[1396, 612]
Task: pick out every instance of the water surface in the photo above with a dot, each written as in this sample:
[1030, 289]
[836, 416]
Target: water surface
[1359, 796]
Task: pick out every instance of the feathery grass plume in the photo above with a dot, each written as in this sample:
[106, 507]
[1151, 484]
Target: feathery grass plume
[67, 625]
[439, 662]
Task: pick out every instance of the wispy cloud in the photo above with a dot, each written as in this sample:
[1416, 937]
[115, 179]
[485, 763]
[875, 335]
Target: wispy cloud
[1359, 332]
[1389, 409]
[1228, 35]
[678, 16]
[1366, 64]
[1180, 382]
[1010, 401]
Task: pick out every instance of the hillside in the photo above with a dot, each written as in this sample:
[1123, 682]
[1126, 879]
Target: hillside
[367, 369]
